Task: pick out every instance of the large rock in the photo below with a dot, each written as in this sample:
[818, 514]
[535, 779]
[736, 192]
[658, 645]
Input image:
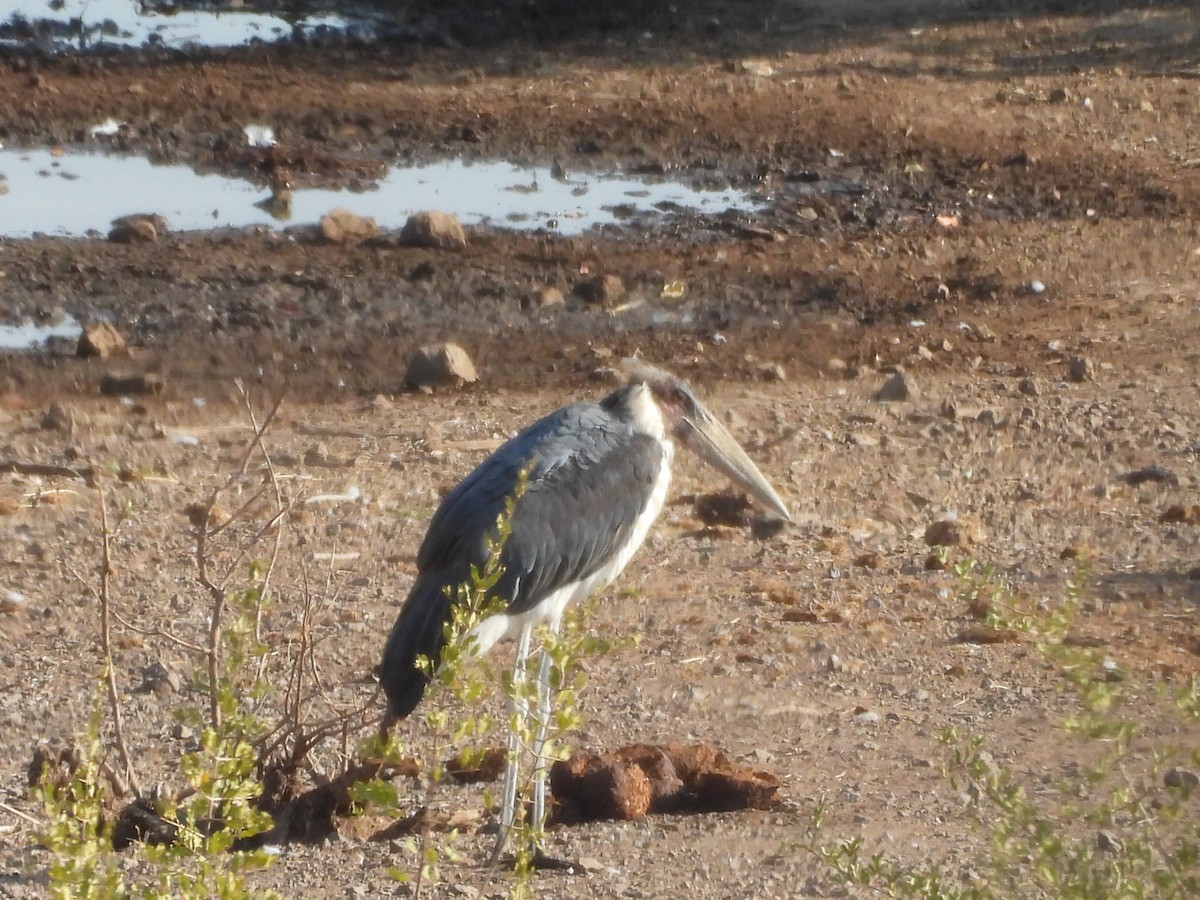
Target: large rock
[896, 389]
[139, 228]
[340, 226]
[100, 340]
[440, 365]
[439, 230]
[604, 290]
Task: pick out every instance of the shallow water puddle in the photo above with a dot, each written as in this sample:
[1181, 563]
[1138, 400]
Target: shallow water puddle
[86, 23]
[29, 335]
[78, 193]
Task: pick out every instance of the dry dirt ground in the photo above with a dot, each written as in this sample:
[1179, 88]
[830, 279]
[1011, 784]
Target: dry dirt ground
[929, 162]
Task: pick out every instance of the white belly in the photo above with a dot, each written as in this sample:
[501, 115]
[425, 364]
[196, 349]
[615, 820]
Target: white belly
[550, 610]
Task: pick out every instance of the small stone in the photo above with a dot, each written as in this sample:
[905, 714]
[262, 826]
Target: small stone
[869, 560]
[434, 229]
[140, 384]
[100, 340]
[1060, 95]
[772, 372]
[137, 229]
[1150, 475]
[606, 290]
[158, 679]
[1108, 841]
[548, 295]
[440, 365]
[1029, 387]
[59, 417]
[1179, 777]
[946, 533]
[11, 601]
[341, 226]
[866, 717]
[1080, 369]
[1180, 514]
[896, 389]
[936, 562]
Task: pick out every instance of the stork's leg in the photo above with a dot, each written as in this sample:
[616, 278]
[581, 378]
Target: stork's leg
[520, 709]
[540, 766]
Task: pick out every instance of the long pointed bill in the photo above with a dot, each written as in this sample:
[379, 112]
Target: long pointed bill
[708, 438]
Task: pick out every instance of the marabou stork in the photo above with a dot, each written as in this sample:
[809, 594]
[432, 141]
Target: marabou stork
[596, 477]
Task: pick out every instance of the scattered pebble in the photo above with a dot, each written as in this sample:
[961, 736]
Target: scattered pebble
[1179, 777]
[440, 365]
[1080, 369]
[100, 340]
[896, 389]
[341, 226]
[434, 229]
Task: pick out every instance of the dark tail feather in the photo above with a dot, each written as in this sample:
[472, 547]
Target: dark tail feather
[419, 630]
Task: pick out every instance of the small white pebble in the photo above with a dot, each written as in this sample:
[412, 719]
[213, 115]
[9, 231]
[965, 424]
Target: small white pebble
[1037, 287]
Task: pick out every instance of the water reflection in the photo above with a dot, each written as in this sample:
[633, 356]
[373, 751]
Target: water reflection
[81, 193]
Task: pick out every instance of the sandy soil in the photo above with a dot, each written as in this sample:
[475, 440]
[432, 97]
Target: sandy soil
[932, 166]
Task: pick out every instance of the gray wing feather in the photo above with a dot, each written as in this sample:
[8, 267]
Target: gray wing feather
[590, 476]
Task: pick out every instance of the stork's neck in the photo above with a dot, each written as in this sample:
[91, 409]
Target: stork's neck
[644, 414]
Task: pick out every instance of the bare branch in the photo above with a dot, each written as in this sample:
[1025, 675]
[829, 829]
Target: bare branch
[110, 672]
[87, 473]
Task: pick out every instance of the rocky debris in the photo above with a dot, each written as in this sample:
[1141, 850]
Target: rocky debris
[772, 372]
[53, 766]
[604, 290]
[201, 515]
[100, 340]
[948, 533]
[986, 634]
[136, 384]
[1108, 841]
[1080, 369]
[319, 456]
[1179, 777]
[341, 226]
[59, 417]
[1181, 514]
[896, 389]
[643, 778]
[547, 296]
[11, 601]
[1150, 475]
[140, 228]
[1029, 387]
[936, 562]
[440, 365]
[160, 680]
[472, 768]
[434, 229]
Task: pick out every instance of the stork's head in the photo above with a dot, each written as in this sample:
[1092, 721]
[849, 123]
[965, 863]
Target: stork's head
[696, 428]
